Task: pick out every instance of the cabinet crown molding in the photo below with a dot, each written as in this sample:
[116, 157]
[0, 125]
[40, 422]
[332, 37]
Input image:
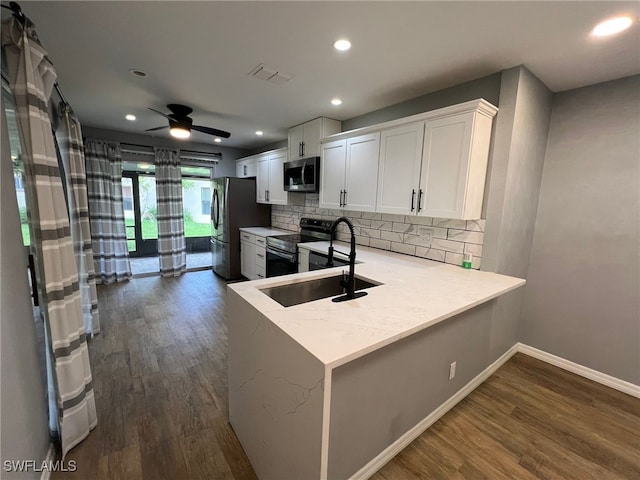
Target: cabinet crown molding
[479, 105]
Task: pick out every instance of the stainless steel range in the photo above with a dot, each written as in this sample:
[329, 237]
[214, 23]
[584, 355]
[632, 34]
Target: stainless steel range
[282, 251]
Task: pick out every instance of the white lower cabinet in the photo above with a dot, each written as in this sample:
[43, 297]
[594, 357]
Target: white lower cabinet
[349, 173]
[252, 256]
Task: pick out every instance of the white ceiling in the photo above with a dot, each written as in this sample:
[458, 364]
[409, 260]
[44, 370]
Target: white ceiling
[199, 54]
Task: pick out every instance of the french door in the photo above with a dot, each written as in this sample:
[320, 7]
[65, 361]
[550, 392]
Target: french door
[140, 211]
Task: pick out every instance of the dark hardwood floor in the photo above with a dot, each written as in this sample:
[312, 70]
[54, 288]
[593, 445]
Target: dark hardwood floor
[159, 369]
[529, 420]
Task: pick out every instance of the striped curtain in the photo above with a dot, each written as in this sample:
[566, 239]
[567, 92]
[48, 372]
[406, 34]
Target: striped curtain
[69, 137]
[31, 77]
[171, 242]
[106, 212]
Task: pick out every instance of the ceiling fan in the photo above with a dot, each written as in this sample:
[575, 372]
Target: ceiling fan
[180, 124]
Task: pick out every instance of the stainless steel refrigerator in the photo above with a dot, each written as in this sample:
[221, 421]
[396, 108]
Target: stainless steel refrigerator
[233, 205]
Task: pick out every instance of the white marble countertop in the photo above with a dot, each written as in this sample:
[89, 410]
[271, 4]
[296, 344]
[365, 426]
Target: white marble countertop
[415, 294]
[264, 231]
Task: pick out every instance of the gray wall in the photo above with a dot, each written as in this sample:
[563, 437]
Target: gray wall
[515, 173]
[25, 433]
[377, 398]
[581, 299]
[226, 166]
[485, 87]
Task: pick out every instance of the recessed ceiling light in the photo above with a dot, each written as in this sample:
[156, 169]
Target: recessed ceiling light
[336, 101]
[612, 26]
[217, 140]
[137, 73]
[130, 117]
[259, 132]
[342, 44]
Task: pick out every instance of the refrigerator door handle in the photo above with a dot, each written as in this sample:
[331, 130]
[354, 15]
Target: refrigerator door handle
[216, 206]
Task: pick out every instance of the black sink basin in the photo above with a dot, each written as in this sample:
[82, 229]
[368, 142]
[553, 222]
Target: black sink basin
[311, 290]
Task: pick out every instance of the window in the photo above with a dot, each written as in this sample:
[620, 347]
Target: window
[16, 153]
[205, 196]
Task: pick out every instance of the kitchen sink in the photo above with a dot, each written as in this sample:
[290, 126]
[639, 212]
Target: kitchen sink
[311, 290]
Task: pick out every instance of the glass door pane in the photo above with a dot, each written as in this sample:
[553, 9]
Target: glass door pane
[129, 213]
[148, 207]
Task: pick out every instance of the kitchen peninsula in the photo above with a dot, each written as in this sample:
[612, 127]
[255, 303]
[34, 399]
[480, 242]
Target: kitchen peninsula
[320, 389]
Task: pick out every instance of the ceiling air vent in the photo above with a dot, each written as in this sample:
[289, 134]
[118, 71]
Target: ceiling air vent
[270, 74]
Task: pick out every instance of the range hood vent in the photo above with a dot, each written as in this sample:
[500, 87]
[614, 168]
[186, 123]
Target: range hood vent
[270, 74]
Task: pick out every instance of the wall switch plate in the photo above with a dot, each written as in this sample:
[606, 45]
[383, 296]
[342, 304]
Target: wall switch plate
[452, 371]
[425, 233]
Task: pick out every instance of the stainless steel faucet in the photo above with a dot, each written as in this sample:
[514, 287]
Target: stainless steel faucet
[349, 284]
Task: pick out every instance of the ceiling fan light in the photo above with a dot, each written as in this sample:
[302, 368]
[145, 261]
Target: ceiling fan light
[179, 132]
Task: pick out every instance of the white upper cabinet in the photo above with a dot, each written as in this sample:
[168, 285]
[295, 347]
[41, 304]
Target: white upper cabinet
[304, 139]
[454, 165]
[270, 177]
[349, 173]
[361, 177]
[333, 158]
[247, 167]
[399, 175]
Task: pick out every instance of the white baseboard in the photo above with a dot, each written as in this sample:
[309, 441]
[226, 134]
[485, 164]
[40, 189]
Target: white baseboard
[396, 447]
[51, 456]
[586, 372]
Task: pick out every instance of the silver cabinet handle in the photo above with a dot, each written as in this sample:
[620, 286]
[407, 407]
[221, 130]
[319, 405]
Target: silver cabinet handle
[413, 196]
[261, 256]
[344, 203]
[341, 191]
[420, 200]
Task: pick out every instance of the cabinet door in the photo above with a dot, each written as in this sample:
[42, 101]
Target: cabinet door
[262, 179]
[399, 174]
[312, 133]
[248, 260]
[333, 156]
[277, 194]
[445, 163]
[241, 168]
[296, 135]
[361, 178]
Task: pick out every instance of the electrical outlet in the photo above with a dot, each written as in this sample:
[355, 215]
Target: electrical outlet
[452, 371]
[425, 233]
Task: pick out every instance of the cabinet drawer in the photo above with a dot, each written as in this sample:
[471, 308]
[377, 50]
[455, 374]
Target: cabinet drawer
[261, 241]
[261, 257]
[248, 237]
[260, 272]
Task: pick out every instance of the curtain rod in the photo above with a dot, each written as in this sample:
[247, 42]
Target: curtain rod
[184, 156]
[212, 154]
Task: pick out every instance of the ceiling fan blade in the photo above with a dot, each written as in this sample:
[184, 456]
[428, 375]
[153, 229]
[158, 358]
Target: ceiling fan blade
[156, 128]
[158, 111]
[211, 131]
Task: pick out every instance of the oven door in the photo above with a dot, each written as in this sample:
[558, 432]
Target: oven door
[318, 261]
[280, 262]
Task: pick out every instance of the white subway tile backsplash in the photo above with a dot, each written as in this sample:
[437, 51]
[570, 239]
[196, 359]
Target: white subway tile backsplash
[465, 236]
[448, 245]
[475, 225]
[418, 220]
[447, 223]
[406, 234]
[431, 253]
[369, 232]
[403, 227]
[403, 248]
[382, 244]
[391, 236]
[473, 249]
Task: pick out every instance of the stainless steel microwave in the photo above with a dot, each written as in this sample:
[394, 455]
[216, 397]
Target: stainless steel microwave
[302, 175]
